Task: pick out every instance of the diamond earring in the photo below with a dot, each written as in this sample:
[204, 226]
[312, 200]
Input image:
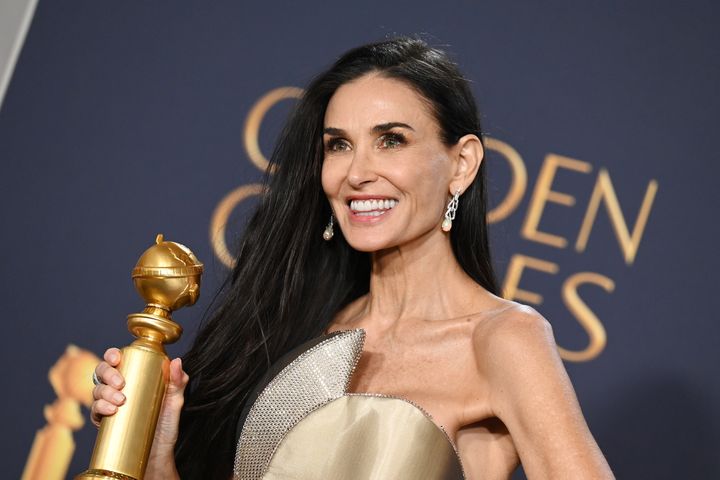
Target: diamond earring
[450, 212]
[328, 233]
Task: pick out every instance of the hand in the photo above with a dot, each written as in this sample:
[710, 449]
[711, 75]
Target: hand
[109, 397]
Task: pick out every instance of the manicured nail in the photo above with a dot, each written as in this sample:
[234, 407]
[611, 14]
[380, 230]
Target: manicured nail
[116, 380]
[118, 397]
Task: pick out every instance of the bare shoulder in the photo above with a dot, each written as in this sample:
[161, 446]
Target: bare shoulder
[515, 329]
[347, 314]
[530, 392]
[515, 351]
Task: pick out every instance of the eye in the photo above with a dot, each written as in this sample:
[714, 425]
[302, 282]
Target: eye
[392, 140]
[337, 145]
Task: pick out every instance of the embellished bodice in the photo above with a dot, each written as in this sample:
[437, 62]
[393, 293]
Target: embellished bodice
[303, 424]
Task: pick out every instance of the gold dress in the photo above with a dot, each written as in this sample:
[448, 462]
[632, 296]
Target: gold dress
[304, 425]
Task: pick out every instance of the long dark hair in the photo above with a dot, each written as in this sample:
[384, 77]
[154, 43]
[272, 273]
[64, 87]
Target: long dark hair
[288, 282]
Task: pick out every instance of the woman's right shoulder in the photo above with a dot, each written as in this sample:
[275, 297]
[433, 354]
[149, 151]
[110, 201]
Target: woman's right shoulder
[344, 318]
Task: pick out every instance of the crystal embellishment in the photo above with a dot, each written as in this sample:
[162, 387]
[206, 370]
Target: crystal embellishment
[319, 375]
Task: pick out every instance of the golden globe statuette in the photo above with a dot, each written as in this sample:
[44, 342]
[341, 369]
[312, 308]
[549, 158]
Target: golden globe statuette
[167, 276]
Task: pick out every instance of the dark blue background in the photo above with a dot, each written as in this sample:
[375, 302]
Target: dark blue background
[124, 119]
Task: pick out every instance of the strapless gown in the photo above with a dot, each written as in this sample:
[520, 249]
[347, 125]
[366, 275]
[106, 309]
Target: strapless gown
[302, 424]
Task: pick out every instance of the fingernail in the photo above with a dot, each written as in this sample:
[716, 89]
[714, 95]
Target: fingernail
[118, 397]
[116, 380]
[113, 357]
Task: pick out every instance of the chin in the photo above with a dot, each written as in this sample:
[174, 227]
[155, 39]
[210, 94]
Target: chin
[368, 245]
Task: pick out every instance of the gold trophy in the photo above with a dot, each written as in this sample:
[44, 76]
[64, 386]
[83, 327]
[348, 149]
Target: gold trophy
[167, 276]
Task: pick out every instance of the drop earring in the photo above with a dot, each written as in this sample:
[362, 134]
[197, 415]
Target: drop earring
[328, 233]
[450, 212]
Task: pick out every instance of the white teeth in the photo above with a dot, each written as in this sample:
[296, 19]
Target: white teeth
[375, 205]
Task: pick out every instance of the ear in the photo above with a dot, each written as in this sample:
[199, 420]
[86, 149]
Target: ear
[468, 155]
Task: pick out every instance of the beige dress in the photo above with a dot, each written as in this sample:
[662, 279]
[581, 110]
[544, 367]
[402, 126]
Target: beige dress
[304, 425]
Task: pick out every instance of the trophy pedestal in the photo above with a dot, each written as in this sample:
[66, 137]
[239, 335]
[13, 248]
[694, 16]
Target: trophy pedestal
[102, 475]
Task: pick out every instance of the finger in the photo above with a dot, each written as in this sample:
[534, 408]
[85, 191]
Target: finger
[99, 409]
[109, 375]
[167, 427]
[113, 356]
[108, 393]
[178, 378]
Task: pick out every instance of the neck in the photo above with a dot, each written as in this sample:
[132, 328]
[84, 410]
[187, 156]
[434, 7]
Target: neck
[421, 280]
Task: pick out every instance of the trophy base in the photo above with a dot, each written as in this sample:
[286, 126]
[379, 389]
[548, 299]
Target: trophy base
[95, 474]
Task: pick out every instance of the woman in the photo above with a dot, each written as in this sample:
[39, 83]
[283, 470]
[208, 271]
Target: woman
[375, 219]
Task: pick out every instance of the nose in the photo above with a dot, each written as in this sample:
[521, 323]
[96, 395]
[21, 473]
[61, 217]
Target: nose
[361, 170]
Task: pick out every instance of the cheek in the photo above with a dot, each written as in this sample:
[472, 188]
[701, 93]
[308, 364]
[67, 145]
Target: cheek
[329, 179]
[429, 182]
[439, 165]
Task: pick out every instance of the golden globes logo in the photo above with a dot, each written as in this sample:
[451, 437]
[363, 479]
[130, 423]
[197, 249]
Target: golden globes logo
[603, 194]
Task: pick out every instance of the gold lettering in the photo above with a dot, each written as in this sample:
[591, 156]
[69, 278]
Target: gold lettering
[543, 194]
[255, 118]
[587, 319]
[604, 190]
[519, 180]
[518, 262]
[220, 218]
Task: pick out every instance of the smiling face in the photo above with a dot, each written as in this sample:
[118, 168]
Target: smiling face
[386, 171]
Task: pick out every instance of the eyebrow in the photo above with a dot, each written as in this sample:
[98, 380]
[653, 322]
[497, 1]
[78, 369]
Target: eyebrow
[383, 127]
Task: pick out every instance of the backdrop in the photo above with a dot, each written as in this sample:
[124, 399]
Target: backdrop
[126, 119]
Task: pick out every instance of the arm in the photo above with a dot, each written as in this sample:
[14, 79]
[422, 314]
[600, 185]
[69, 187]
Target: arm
[531, 393]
